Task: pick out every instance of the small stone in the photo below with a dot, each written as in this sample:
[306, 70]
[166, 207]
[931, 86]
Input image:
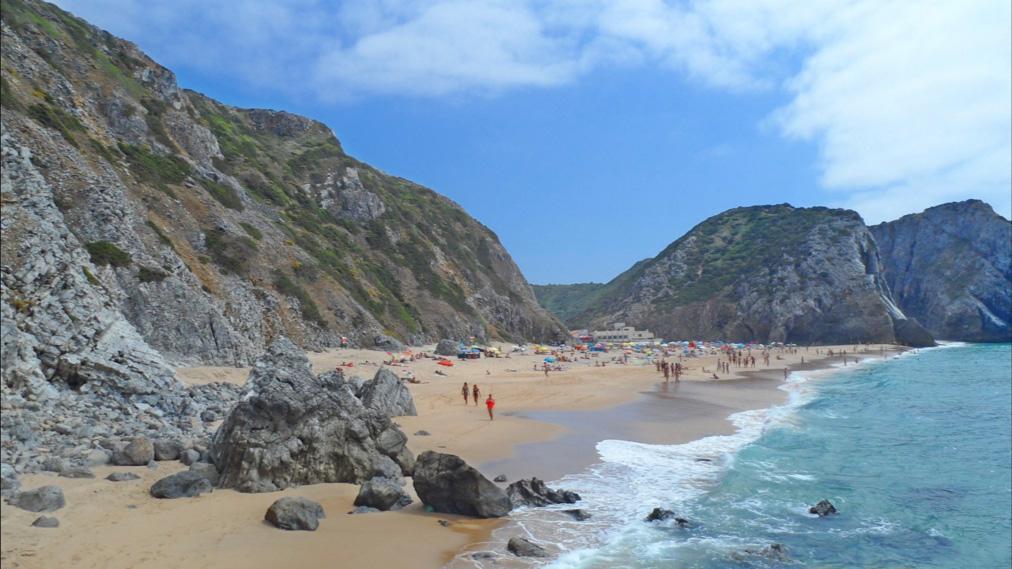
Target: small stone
[578, 514]
[500, 478]
[46, 522]
[444, 523]
[364, 510]
[122, 477]
[422, 433]
[77, 472]
[138, 452]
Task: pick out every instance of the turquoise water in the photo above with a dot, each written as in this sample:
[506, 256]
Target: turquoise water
[914, 451]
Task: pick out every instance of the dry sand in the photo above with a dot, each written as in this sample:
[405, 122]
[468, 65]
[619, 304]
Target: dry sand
[543, 426]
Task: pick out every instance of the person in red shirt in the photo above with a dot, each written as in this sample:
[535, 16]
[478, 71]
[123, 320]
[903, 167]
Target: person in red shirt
[490, 404]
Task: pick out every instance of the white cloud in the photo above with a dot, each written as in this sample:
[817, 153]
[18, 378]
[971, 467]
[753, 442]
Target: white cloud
[909, 102]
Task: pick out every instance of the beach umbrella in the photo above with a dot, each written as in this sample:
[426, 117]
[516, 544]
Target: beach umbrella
[549, 360]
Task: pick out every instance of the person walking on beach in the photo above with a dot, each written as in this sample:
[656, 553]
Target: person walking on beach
[490, 404]
[476, 393]
[465, 392]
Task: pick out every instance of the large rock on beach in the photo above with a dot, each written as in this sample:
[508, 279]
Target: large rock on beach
[42, 499]
[383, 494]
[186, 484]
[447, 347]
[523, 547]
[138, 452]
[447, 484]
[535, 492]
[387, 395]
[295, 513]
[292, 428]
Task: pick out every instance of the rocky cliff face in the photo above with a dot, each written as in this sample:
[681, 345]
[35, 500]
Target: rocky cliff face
[951, 268]
[205, 231]
[766, 273]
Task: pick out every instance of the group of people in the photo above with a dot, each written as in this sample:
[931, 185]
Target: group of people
[474, 392]
[669, 369]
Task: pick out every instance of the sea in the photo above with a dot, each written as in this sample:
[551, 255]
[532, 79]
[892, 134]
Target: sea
[914, 450]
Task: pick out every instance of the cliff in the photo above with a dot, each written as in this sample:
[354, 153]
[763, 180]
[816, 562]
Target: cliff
[210, 230]
[951, 268]
[765, 273]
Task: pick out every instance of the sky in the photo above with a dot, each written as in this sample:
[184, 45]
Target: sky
[590, 134]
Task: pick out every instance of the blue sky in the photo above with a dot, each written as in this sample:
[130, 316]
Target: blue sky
[590, 134]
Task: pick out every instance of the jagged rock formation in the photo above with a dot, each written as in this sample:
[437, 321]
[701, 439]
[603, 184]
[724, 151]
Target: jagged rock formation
[765, 273]
[293, 428]
[950, 267]
[205, 231]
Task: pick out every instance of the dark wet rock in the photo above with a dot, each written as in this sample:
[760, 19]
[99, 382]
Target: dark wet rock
[138, 452]
[383, 494]
[189, 456]
[500, 478]
[523, 547]
[772, 552]
[295, 513]
[447, 347]
[659, 514]
[291, 429]
[578, 514]
[534, 492]
[387, 395]
[483, 555]
[703, 460]
[77, 472]
[822, 509]
[422, 433]
[184, 484]
[122, 477]
[444, 523]
[206, 470]
[447, 484]
[42, 499]
[46, 522]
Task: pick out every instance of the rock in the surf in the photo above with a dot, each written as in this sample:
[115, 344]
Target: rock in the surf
[772, 552]
[447, 484]
[822, 509]
[383, 494]
[660, 514]
[523, 547]
[578, 514]
[186, 484]
[291, 428]
[535, 492]
[295, 513]
[500, 478]
[42, 499]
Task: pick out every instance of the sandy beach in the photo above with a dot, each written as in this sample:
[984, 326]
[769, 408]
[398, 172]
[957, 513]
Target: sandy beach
[544, 427]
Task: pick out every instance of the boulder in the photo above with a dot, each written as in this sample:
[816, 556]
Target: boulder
[98, 457]
[184, 484]
[447, 484]
[206, 470]
[447, 347]
[122, 477]
[291, 428]
[500, 478]
[388, 395]
[578, 514]
[189, 456]
[822, 509]
[384, 342]
[42, 499]
[383, 494]
[46, 522]
[294, 513]
[523, 547]
[534, 492]
[53, 464]
[138, 452]
[167, 449]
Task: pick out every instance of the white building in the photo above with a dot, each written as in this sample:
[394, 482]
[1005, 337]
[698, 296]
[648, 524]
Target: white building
[622, 333]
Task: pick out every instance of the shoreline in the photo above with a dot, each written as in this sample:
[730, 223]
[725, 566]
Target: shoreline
[561, 417]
